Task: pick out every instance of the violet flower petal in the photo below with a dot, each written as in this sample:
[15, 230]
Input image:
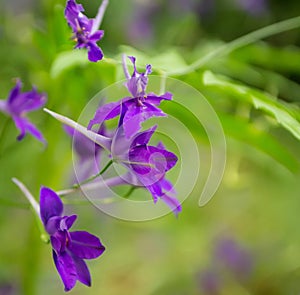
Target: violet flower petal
[14, 93]
[94, 52]
[24, 126]
[97, 36]
[66, 269]
[83, 274]
[105, 112]
[50, 204]
[143, 137]
[85, 245]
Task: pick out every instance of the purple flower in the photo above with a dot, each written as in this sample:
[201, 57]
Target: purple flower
[18, 104]
[134, 110]
[147, 164]
[69, 248]
[85, 30]
[234, 258]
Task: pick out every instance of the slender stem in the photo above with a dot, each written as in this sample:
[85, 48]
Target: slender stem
[273, 29]
[28, 195]
[99, 17]
[94, 176]
[34, 204]
[131, 190]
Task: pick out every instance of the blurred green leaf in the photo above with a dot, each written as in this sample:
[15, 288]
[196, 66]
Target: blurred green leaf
[248, 133]
[66, 60]
[262, 54]
[279, 110]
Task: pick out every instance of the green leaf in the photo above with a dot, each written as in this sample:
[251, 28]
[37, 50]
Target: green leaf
[246, 132]
[279, 59]
[283, 114]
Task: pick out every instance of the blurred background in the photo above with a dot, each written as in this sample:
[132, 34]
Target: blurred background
[246, 240]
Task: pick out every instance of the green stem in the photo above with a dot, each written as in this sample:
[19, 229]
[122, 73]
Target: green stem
[36, 208]
[268, 31]
[128, 194]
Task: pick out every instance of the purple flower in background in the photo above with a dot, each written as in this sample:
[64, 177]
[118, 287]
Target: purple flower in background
[19, 104]
[255, 7]
[147, 164]
[69, 248]
[134, 110]
[85, 30]
[234, 258]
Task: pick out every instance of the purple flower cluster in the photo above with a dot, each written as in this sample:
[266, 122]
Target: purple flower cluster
[69, 248]
[147, 165]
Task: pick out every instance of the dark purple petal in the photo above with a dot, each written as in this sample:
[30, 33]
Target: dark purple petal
[52, 225]
[173, 203]
[66, 269]
[164, 190]
[19, 103]
[27, 102]
[85, 245]
[50, 204]
[139, 158]
[105, 112]
[162, 159]
[14, 93]
[156, 100]
[96, 36]
[94, 52]
[137, 114]
[57, 242]
[66, 222]
[25, 126]
[83, 274]
[71, 13]
[144, 137]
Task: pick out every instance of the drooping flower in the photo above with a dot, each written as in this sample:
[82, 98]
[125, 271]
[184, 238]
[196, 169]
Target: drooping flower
[134, 110]
[69, 248]
[85, 30]
[19, 104]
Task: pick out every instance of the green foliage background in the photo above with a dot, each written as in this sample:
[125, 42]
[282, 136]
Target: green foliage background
[253, 85]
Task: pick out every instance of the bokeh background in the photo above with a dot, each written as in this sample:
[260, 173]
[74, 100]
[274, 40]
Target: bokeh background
[246, 240]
